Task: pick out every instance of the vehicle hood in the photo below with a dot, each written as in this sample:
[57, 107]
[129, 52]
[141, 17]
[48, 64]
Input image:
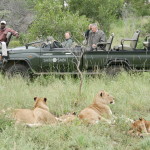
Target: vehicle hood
[23, 49]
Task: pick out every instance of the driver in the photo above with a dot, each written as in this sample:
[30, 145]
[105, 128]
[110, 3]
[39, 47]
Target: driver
[4, 31]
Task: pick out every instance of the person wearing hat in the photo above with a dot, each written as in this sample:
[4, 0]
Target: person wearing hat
[4, 31]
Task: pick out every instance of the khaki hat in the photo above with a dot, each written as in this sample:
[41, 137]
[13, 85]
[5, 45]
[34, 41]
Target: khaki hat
[4, 22]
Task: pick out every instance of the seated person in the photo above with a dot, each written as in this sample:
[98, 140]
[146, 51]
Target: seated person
[4, 31]
[96, 36]
[68, 40]
[51, 43]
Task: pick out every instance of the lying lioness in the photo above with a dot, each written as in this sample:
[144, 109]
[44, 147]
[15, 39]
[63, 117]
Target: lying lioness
[39, 115]
[67, 118]
[99, 110]
[140, 127]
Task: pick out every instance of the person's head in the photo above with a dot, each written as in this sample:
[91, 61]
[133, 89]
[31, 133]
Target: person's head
[90, 26]
[94, 27]
[3, 24]
[67, 35]
[50, 39]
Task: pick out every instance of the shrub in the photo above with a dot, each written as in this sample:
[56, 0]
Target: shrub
[51, 20]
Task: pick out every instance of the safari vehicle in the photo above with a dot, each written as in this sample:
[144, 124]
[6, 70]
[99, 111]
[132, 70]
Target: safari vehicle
[53, 59]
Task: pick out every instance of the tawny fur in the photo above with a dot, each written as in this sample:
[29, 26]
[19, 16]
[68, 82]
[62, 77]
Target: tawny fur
[99, 109]
[140, 127]
[67, 118]
[39, 115]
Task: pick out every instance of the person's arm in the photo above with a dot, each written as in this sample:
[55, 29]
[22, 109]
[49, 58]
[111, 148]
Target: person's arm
[103, 37]
[15, 33]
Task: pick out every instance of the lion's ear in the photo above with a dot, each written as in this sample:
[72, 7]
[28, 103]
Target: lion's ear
[45, 99]
[74, 113]
[141, 119]
[35, 98]
[101, 93]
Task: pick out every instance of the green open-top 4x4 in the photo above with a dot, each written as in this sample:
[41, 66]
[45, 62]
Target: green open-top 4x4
[42, 58]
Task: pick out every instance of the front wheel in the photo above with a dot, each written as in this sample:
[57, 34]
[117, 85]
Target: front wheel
[18, 69]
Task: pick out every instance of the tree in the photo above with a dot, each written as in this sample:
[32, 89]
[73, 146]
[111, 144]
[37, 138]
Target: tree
[102, 11]
[140, 7]
[51, 20]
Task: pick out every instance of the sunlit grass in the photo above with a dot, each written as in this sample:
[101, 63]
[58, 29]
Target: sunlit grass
[132, 100]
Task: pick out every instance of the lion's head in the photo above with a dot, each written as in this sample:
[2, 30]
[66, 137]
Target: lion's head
[40, 103]
[104, 97]
[138, 125]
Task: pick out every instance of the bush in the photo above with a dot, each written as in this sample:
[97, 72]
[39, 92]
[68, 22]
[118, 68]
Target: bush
[102, 11]
[140, 7]
[14, 43]
[52, 20]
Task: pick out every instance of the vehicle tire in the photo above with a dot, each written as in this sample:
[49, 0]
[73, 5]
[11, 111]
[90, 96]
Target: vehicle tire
[18, 69]
[114, 70]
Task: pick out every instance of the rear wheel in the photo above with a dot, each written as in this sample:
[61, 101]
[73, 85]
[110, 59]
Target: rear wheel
[115, 70]
[18, 69]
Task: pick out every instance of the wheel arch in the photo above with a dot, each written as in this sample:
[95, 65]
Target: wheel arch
[13, 62]
[119, 62]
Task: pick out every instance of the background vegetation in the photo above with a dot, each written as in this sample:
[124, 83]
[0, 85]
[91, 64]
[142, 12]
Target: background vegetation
[132, 100]
[36, 19]
[52, 20]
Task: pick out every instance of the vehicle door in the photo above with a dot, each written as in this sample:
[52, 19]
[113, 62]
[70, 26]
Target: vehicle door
[137, 59]
[94, 60]
[57, 60]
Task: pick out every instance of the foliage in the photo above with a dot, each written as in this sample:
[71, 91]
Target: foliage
[31, 2]
[102, 11]
[125, 28]
[51, 20]
[147, 26]
[140, 7]
[14, 43]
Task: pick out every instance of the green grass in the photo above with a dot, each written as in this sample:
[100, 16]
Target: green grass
[132, 93]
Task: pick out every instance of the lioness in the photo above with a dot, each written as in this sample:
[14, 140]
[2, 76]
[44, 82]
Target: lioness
[140, 127]
[99, 110]
[39, 115]
[67, 118]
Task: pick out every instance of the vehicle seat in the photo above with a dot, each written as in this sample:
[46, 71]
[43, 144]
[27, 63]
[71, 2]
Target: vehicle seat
[108, 43]
[8, 37]
[146, 43]
[56, 44]
[133, 42]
